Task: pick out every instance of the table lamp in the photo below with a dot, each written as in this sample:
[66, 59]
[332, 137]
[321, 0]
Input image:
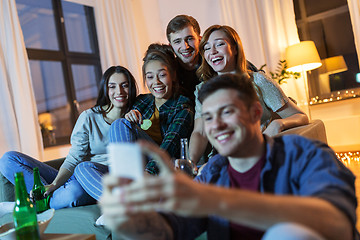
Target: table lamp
[329, 66]
[302, 57]
[333, 65]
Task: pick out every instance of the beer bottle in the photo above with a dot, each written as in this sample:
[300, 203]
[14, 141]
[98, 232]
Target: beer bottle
[38, 191]
[184, 163]
[24, 214]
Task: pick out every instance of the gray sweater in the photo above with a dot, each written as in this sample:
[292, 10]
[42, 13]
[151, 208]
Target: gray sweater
[89, 140]
[271, 96]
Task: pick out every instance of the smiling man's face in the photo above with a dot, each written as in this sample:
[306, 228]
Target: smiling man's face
[185, 44]
[228, 122]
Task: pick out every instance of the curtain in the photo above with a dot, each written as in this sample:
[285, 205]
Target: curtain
[19, 128]
[118, 40]
[354, 9]
[266, 28]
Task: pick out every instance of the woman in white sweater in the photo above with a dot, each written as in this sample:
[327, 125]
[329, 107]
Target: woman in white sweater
[88, 143]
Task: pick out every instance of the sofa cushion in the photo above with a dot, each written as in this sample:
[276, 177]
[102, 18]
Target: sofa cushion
[314, 130]
[7, 193]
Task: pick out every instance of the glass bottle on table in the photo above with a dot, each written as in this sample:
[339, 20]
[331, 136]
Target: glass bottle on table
[24, 214]
[184, 163]
[38, 190]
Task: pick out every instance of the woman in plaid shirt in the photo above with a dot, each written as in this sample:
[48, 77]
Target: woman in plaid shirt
[171, 114]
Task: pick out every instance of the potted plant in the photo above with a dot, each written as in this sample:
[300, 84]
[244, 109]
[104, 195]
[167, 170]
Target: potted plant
[281, 74]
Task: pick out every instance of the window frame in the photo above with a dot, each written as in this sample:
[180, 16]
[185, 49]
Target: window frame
[302, 22]
[68, 58]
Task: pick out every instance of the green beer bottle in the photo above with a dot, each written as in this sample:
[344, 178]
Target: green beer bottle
[38, 191]
[24, 214]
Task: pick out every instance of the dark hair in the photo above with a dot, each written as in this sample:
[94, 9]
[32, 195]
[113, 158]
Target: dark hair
[242, 83]
[180, 22]
[103, 96]
[164, 54]
[205, 71]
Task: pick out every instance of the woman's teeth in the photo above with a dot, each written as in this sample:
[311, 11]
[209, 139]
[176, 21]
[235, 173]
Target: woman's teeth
[222, 137]
[120, 99]
[159, 89]
[217, 59]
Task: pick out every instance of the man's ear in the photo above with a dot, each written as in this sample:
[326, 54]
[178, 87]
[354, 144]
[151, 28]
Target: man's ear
[256, 111]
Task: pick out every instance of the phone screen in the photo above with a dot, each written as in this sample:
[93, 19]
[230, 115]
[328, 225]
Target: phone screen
[126, 160]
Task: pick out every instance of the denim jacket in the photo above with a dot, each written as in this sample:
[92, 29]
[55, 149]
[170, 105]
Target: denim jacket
[294, 166]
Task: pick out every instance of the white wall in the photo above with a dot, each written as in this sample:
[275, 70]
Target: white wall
[342, 123]
[152, 17]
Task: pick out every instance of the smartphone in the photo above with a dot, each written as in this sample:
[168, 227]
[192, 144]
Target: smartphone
[126, 160]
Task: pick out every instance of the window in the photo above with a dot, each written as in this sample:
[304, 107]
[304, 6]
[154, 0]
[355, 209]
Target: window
[60, 38]
[328, 24]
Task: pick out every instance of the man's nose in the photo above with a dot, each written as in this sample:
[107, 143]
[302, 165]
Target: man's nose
[185, 44]
[218, 123]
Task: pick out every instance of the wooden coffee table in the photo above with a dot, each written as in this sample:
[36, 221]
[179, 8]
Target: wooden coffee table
[58, 236]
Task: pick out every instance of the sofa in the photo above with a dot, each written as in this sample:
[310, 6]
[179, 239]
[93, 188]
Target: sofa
[314, 130]
[82, 219]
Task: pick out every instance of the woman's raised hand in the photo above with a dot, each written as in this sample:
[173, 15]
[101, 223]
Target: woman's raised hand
[134, 116]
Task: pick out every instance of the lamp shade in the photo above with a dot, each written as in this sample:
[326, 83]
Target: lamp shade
[302, 56]
[333, 65]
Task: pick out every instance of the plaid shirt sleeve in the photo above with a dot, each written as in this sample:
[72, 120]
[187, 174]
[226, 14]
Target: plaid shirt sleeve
[144, 103]
[177, 119]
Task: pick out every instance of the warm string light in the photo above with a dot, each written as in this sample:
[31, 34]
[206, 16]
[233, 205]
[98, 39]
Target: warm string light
[335, 97]
[349, 157]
